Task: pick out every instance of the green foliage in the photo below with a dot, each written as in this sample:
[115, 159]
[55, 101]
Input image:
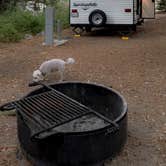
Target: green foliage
[7, 4]
[62, 13]
[16, 23]
[8, 33]
[26, 22]
[162, 5]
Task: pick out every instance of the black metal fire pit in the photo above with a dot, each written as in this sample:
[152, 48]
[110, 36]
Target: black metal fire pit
[81, 133]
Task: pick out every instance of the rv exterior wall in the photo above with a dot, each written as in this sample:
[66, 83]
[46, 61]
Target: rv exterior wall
[114, 10]
[135, 15]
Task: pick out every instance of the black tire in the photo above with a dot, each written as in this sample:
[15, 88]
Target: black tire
[97, 18]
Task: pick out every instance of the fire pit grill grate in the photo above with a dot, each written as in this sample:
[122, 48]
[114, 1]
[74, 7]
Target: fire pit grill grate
[87, 140]
[50, 109]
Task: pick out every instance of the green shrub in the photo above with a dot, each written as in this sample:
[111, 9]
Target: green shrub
[62, 13]
[162, 5]
[26, 22]
[8, 33]
[15, 23]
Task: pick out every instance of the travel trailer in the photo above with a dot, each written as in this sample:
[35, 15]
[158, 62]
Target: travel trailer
[86, 14]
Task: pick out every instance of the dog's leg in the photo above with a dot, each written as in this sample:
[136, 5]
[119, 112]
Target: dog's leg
[61, 76]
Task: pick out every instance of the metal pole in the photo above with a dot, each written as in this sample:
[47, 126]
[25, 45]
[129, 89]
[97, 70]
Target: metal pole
[59, 30]
[49, 25]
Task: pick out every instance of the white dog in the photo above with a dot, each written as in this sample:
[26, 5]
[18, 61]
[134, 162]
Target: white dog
[50, 66]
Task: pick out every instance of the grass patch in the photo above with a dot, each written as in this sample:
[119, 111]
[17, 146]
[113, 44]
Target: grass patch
[8, 113]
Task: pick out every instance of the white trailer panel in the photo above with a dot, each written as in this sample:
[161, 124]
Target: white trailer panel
[100, 13]
[114, 10]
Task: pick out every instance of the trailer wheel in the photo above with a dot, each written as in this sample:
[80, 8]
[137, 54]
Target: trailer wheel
[97, 18]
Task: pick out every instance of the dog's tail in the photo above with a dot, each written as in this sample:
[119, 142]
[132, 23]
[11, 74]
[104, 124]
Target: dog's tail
[70, 61]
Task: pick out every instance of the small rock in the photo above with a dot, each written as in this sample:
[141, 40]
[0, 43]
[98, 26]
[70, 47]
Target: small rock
[40, 34]
[163, 113]
[28, 36]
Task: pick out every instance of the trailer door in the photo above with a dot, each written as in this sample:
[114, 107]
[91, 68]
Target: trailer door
[148, 9]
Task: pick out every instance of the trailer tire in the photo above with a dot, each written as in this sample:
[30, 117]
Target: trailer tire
[97, 18]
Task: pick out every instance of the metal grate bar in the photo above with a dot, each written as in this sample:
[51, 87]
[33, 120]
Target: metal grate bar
[68, 107]
[37, 115]
[58, 98]
[83, 107]
[31, 123]
[55, 112]
[44, 110]
[58, 108]
[27, 114]
[38, 112]
[37, 108]
[69, 102]
[50, 109]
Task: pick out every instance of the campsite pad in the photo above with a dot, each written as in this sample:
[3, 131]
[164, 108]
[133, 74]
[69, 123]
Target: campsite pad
[135, 67]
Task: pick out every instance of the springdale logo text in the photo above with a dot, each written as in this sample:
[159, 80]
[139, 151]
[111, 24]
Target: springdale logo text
[85, 4]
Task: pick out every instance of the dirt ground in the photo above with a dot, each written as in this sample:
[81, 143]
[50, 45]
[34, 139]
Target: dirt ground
[135, 67]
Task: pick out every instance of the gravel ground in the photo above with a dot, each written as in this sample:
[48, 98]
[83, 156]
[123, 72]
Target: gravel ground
[135, 67]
